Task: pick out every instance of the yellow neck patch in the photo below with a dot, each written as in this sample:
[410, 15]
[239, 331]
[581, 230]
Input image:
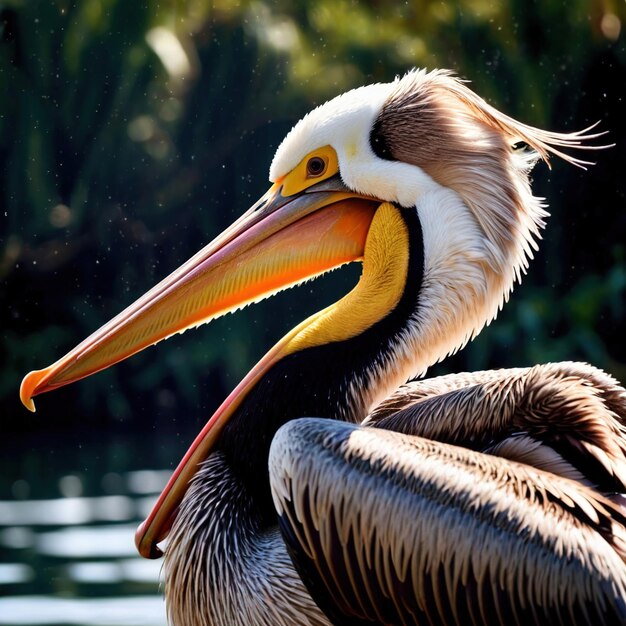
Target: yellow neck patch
[382, 282]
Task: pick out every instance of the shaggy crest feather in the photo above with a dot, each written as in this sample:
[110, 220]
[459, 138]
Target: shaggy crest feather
[544, 142]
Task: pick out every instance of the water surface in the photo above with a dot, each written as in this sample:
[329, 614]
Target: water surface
[68, 514]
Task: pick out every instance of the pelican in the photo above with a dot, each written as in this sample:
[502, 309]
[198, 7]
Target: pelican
[328, 490]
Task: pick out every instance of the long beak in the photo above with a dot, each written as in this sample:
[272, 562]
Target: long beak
[280, 241]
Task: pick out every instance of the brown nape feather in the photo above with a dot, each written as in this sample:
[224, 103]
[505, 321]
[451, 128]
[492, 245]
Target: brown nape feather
[434, 121]
[449, 104]
[567, 418]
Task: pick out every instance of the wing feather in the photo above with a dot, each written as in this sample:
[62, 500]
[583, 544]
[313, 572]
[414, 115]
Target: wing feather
[397, 529]
[575, 410]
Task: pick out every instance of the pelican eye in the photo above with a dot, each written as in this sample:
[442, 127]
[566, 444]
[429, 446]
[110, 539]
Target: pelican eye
[316, 166]
[520, 146]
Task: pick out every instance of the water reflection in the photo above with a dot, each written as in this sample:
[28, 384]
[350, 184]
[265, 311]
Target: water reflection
[85, 542]
[67, 511]
[68, 559]
[15, 573]
[29, 610]
[137, 570]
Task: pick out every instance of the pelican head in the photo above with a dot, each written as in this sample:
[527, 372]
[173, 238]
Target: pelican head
[420, 180]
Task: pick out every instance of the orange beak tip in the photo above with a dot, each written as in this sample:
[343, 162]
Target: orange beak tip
[147, 549]
[28, 386]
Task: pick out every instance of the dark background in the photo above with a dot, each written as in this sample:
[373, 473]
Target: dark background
[131, 133]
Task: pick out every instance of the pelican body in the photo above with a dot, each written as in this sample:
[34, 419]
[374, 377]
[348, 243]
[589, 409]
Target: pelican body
[325, 490]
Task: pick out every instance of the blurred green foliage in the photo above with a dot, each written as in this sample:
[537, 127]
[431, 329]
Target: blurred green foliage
[133, 132]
